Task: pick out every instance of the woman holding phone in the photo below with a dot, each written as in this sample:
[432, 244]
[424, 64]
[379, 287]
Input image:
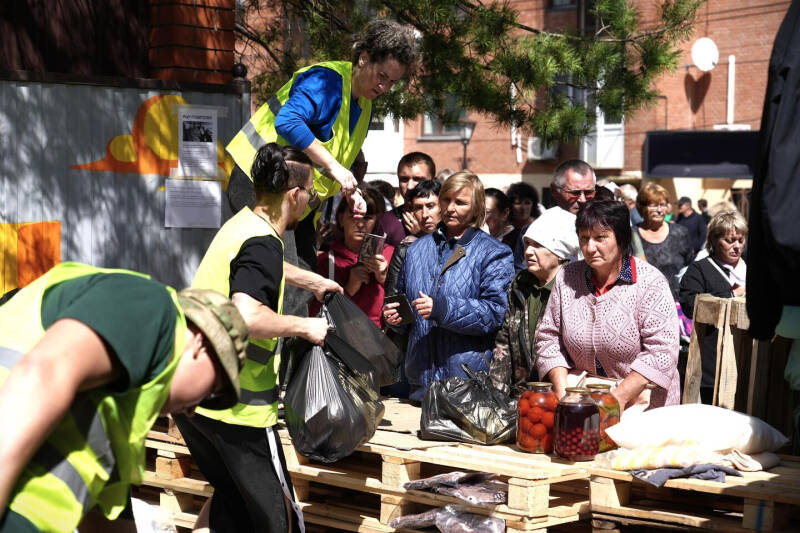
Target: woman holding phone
[363, 280]
[456, 280]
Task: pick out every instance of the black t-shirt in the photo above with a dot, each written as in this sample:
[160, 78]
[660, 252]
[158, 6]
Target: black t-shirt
[257, 270]
[135, 316]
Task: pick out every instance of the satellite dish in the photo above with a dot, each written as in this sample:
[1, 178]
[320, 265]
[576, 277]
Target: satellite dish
[705, 54]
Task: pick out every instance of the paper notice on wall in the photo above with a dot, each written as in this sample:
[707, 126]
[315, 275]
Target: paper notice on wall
[197, 142]
[193, 204]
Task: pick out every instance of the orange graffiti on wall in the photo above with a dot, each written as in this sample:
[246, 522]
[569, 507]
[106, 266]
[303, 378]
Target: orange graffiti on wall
[27, 250]
[152, 145]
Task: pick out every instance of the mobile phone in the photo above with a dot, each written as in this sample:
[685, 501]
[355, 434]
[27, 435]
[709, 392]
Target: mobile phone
[404, 309]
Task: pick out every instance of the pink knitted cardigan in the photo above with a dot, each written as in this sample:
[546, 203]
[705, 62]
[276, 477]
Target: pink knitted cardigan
[633, 326]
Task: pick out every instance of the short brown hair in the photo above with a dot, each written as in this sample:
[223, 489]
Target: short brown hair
[721, 224]
[462, 179]
[651, 193]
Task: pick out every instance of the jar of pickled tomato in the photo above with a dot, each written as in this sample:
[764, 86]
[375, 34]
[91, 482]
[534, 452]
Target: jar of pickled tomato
[577, 426]
[609, 413]
[536, 410]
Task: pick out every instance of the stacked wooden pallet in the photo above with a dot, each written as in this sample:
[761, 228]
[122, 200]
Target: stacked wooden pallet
[757, 501]
[368, 486]
[364, 492]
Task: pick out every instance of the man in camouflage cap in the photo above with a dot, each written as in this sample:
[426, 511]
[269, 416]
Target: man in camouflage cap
[89, 358]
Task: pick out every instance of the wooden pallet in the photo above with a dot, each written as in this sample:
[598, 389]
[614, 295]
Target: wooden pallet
[373, 476]
[395, 455]
[758, 501]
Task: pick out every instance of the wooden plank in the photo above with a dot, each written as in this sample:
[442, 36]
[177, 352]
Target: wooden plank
[727, 374]
[657, 515]
[759, 371]
[607, 492]
[184, 485]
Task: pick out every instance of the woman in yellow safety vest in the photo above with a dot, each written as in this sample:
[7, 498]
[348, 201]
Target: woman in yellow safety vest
[325, 110]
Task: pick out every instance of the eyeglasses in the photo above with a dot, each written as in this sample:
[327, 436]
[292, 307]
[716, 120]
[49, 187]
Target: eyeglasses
[313, 197]
[577, 193]
[657, 207]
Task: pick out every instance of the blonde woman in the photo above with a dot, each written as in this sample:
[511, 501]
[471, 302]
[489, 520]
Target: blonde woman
[456, 280]
[721, 274]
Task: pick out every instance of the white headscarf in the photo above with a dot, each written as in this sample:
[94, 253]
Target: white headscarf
[555, 230]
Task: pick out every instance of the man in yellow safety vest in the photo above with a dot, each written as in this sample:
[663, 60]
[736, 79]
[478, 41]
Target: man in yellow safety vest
[89, 357]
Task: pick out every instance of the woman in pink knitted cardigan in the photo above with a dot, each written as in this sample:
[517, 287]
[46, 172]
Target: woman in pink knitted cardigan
[611, 315]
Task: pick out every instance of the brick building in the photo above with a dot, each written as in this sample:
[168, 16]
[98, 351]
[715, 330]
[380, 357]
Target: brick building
[690, 100]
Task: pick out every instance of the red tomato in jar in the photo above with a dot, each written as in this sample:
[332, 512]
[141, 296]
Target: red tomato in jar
[548, 419]
[525, 425]
[538, 398]
[535, 414]
[552, 402]
[534, 443]
[539, 431]
[526, 395]
[523, 407]
[526, 442]
[547, 443]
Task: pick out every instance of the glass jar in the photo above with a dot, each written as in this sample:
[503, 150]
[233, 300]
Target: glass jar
[609, 413]
[536, 411]
[577, 426]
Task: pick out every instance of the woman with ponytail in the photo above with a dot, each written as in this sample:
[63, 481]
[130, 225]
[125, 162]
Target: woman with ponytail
[246, 263]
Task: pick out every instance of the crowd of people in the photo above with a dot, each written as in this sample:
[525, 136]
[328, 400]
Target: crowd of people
[601, 282]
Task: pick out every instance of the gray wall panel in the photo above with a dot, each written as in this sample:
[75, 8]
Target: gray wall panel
[108, 218]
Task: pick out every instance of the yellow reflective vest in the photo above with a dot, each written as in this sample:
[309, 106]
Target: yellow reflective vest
[258, 404]
[343, 146]
[97, 449]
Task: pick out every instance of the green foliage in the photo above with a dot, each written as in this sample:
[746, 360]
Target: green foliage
[480, 54]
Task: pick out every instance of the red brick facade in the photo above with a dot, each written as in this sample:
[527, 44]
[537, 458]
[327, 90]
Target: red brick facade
[192, 40]
[740, 27]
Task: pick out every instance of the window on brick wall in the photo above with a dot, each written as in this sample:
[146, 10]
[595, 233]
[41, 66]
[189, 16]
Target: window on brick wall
[444, 123]
[563, 3]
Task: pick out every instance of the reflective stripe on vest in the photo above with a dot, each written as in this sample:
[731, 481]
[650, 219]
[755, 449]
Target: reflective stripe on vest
[96, 450]
[342, 145]
[9, 357]
[258, 380]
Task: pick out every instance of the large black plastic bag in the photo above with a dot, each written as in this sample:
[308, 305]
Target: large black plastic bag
[331, 406]
[351, 327]
[468, 410]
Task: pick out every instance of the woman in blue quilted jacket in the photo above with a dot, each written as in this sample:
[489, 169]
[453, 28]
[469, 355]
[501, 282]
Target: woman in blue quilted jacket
[456, 280]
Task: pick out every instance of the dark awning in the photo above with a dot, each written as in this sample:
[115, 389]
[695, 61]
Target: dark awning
[700, 154]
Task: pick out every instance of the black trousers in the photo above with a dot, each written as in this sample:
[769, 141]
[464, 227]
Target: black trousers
[236, 461]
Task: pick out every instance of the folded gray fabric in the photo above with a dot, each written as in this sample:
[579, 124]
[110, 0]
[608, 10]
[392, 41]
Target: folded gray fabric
[707, 472]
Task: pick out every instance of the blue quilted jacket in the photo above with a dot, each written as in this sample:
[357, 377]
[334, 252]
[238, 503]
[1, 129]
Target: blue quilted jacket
[467, 279]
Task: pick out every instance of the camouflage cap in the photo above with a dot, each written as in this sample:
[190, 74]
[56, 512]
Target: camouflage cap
[226, 330]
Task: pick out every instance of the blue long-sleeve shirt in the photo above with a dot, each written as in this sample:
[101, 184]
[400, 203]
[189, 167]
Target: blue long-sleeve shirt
[313, 105]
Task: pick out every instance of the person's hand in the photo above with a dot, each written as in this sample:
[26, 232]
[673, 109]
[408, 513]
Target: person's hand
[315, 330]
[410, 223]
[325, 233]
[739, 291]
[620, 401]
[390, 314]
[423, 305]
[559, 391]
[359, 275]
[378, 265]
[322, 286]
[344, 177]
[357, 204]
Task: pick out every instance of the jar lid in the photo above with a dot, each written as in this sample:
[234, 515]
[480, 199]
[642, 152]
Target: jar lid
[599, 386]
[539, 384]
[577, 389]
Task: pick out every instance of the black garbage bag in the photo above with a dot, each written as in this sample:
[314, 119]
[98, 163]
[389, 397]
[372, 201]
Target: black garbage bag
[351, 327]
[468, 410]
[331, 404]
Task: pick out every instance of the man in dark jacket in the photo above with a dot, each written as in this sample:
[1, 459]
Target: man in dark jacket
[694, 223]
